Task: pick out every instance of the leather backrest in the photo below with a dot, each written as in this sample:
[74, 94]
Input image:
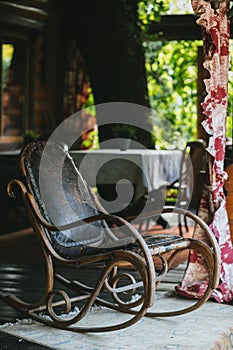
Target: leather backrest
[60, 192]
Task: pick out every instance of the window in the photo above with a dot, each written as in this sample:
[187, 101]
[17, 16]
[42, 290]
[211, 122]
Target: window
[14, 77]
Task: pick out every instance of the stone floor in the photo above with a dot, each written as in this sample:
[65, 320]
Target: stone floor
[27, 280]
[21, 273]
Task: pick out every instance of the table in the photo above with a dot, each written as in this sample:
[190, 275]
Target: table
[145, 170]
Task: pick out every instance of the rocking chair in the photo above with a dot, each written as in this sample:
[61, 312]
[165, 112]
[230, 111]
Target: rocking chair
[73, 229]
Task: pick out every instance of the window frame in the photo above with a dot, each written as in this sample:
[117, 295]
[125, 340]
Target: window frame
[10, 141]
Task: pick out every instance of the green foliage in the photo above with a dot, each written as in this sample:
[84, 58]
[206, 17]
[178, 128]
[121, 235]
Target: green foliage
[180, 7]
[171, 69]
[149, 11]
[30, 136]
[172, 84]
[92, 141]
[172, 74]
[171, 195]
[7, 55]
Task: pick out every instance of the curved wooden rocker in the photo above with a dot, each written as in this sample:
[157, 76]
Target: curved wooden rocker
[73, 229]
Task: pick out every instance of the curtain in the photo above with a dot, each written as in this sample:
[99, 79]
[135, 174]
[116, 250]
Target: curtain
[215, 28]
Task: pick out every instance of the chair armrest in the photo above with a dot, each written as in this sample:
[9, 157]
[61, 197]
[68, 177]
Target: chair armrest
[33, 208]
[35, 213]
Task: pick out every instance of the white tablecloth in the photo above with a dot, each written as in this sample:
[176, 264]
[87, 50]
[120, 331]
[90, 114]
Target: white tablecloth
[146, 169]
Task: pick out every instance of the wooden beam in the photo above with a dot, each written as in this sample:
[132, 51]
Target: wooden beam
[23, 13]
[38, 4]
[177, 27]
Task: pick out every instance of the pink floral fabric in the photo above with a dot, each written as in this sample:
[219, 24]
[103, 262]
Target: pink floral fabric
[215, 26]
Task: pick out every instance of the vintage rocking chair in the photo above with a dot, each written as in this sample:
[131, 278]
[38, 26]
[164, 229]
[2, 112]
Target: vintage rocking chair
[73, 229]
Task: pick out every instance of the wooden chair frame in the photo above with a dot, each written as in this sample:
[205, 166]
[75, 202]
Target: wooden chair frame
[134, 249]
[191, 165]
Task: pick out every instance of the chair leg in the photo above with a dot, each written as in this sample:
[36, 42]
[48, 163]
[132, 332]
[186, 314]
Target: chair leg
[90, 295]
[186, 224]
[161, 221]
[180, 226]
[208, 256]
